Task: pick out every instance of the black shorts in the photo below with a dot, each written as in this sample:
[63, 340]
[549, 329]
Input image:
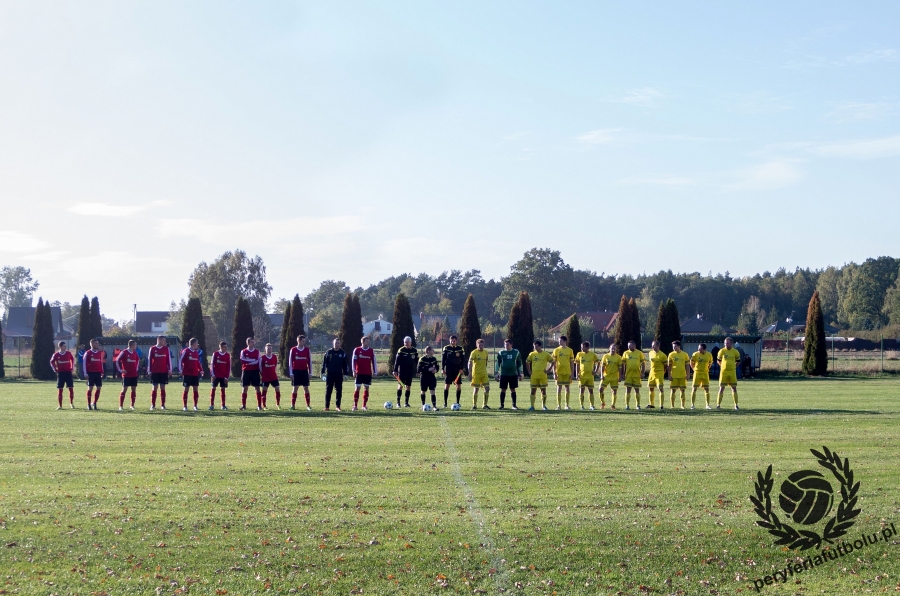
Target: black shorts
[453, 376]
[509, 381]
[95, 379]
[220, 382]
[159, 378]
[250, 377]
[64, 379]
[190, 380]
[300, 378]
[363, 380]
[428, 382]
[405, 380]
[268, 384]
[129, 381]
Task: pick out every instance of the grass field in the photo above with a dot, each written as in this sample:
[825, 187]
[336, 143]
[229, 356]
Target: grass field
[429, 503]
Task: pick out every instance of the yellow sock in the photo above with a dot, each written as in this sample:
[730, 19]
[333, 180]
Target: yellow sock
[637, 398]
[614, 397]
[475, 399]
[581, 398]
[602, 399]
[544, 399]
[567, 399]
[706, 391]
[672, 397]
[485, 396]
[693, 396]
[532, 399]
[653, 397]
[592, 398]
[683, 391]
[734, 396]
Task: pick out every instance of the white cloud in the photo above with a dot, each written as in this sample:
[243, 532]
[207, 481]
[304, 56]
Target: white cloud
[601, 136]
[13, 241]
[658, 180]
[644, 96]
[886, 54]
[770, 175]
[106, 210]
[861, 149]
[224, 232]
[849, 111]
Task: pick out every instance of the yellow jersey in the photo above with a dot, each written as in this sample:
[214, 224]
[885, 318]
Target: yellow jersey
[539, 361]
[678, 365]
[633, 360]
[563, 357]
[586, 362]
[701, 363]
[479, 360]
[658, 362]
[728, 359]
[610, 364]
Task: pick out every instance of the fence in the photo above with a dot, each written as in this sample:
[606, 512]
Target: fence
[845, 362]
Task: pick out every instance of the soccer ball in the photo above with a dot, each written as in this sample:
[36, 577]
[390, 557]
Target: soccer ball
[806, 496]
[388, 405]
[455, 407]
[426, 408]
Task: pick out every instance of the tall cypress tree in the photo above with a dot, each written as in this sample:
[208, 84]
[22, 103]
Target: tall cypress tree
[284, 341]
[2, 367]
[357, 313]
[240, 331]
[668, 328]
[623, 325]
[815, 352]
[96, 319]
[297, 327]
[573, 333]
[349, 331]
[469, 327]
[635, 323]
[193, 326]
[42, 342]
[84, 324]
[520, 327]
[401, 326]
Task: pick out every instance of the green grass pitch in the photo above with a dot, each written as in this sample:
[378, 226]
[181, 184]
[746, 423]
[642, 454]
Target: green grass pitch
[430, 503]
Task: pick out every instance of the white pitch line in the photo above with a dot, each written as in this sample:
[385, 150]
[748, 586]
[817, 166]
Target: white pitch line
[501, 578]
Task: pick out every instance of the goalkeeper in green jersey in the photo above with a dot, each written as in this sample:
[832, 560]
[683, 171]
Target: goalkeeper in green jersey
[508, 369]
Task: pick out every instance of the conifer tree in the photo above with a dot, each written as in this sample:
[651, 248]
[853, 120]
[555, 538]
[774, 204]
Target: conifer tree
[668, 327]
[42, 342]
[2, 367]
[357, 311]
[401, 326]
[193, 326]
[84, 323]
[297, 327]
[520, 327]
[635, 323]
[351, 324]
[96, 319]
[623, 325]
[573, 333]
[285, 342]
[815, 352]
[240, 331]
[469, 327]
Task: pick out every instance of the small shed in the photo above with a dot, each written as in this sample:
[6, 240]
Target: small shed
[751, 345]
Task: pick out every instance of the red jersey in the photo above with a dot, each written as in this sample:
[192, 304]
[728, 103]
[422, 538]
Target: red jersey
[62, 362]
[128, 363]
[189, 363]
[300, 359]
[269, 368]
[159, 360]
[363, 361]
[221, 365]
[93, 361]
[249, 359]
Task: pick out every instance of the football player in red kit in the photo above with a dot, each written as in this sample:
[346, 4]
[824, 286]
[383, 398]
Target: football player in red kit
[93, 372]
[250, 373]
[364, 368]
[301, 370]
[159, 367]
[63, 363]
[128, 363]
[220, 368]
[191, 371]
[268, 364]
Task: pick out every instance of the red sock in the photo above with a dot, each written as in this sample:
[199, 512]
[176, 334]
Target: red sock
[184, 398]
[222, 389]
[122, 398]
[356, 397]
[196, 396]
[89, 397]
[59, 396]
[153, 398]
[293, 400]
[212, 398]
[259, 399]
[366, 397]
[306, 395]
[71, 395]
[96, 395]
[133, 396]
[278, 398]
[162, 396]
[244, 399]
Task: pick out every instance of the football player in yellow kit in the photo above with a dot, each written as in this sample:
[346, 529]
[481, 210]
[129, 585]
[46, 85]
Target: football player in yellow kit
[563, 363]
[633, 362]
[478, 360]
[537, 363]
[701, 360]
[587, 364]
[679, 362]
[611, 368]
[728, 358]
[658, 362]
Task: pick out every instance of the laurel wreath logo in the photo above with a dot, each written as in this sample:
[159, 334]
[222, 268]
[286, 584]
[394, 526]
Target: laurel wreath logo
[836, 527]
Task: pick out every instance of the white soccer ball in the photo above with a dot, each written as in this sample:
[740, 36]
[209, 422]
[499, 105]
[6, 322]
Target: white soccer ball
[455, 407]
[426, 408]
[388, 405]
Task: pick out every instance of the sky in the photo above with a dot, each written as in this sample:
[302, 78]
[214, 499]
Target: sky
[356, 140]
